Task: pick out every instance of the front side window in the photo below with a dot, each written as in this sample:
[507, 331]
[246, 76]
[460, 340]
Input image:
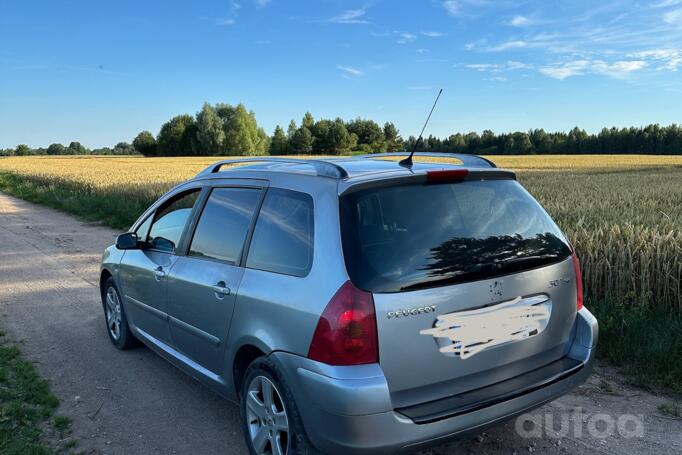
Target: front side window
[283, 238]
[170, 221]
[224, 223]
[143, 229]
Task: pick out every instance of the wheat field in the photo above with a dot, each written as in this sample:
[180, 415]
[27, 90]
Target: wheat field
[623, 213]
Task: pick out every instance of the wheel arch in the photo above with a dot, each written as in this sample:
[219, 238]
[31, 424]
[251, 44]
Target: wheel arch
[104, 275]
[244, 356]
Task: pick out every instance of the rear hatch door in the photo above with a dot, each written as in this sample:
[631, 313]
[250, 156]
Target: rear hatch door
[473, 282]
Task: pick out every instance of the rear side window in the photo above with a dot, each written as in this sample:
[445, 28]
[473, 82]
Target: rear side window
[224, 223]
[417, 236]
[283, 238]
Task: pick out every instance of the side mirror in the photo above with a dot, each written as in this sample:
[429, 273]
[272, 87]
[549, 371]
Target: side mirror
[127, 241]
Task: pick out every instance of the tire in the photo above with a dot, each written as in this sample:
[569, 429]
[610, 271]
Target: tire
[297, 442]
[115, 317]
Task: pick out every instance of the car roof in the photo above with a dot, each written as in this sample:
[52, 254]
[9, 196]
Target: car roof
[346, 168]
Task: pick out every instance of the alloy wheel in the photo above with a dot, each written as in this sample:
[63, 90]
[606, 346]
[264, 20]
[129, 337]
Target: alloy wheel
[113, 313]
[266, 418]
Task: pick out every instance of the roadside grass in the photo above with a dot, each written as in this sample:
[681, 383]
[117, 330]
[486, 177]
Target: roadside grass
[644, 342]
[117, 207]
[26, 406]
[670, 410]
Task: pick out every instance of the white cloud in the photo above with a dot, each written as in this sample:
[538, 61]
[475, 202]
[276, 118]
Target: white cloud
[616, 69]
[673, 17]
[433, 34]
[350, 72]
[452, 7]
[512, 44]
[262, 3]
[422, 51]
[485, 67]
[509, 65]
[512, 65]
[351, 16]
[666, 3]
[565, 70]
[519, 21]
[666, 59]
[226, 21]
[407, 38]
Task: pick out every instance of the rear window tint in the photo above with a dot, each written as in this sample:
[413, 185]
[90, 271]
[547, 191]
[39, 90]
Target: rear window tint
[283, 238]
[417, 236]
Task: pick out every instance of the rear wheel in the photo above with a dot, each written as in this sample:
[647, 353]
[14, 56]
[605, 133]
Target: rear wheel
[272, 424]
[115, 317]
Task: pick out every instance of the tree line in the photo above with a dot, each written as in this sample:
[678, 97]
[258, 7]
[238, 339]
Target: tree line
[223, 129]
[74, 148]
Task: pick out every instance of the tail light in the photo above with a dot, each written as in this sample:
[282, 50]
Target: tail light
[346, 333]
[578, 280]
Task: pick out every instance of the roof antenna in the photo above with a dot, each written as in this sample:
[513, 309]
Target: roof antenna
[407, 162]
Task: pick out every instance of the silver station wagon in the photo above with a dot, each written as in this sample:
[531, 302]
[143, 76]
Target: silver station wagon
[355, 305]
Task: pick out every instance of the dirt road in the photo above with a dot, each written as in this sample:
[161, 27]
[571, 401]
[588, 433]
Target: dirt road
[135, 403]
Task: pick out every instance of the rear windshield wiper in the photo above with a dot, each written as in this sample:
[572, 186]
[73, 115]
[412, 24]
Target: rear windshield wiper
[536, 259]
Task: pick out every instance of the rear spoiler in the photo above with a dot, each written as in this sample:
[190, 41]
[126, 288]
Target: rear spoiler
[416, 177]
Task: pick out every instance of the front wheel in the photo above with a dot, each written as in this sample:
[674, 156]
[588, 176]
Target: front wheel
[272, 424]
[115, 316]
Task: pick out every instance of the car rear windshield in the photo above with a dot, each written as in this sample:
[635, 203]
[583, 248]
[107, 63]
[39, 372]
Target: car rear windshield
[408, 237]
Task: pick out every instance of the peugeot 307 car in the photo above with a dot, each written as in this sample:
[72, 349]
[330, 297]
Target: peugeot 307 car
[355, 305]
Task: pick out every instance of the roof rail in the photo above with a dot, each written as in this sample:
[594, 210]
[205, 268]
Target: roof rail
[323, 168]
[467, 160]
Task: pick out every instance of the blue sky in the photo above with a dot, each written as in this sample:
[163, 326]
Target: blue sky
[100, 72]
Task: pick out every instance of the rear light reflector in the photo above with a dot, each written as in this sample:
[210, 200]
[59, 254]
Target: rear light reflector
[446, 175]
[346, 333]
[578, 280]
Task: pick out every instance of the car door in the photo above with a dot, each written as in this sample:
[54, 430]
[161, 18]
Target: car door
[203, 284]
[143, 271]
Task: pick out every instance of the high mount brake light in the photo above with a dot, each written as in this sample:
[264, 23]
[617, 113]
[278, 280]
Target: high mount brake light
[578, 281]
[346, 333]
[446, 175]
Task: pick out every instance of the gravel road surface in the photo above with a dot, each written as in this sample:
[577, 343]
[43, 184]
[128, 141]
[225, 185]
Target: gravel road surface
[135, 403]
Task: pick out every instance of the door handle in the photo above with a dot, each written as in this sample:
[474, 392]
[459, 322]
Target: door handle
[159, 273]
[221, 290]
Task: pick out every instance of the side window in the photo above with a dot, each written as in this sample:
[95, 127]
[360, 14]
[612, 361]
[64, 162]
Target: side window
[283, 238]
[143, 229]
[170, 220]
[224, 223]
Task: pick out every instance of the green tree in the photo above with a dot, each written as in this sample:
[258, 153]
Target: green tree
[321, 138]
[308, 121]
[340, 140]
[302, 141]
[522, 144]
[242, 134]
[56, 149]
[368, 133]
[392, 138]
[291, 130]
[76, 148]
[210, 132]
[177, 136]
[124, 148]
[145, 143]
[279, 145]
[22, 150]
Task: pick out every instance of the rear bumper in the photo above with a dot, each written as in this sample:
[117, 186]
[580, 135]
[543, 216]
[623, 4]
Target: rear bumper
[349, 410]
